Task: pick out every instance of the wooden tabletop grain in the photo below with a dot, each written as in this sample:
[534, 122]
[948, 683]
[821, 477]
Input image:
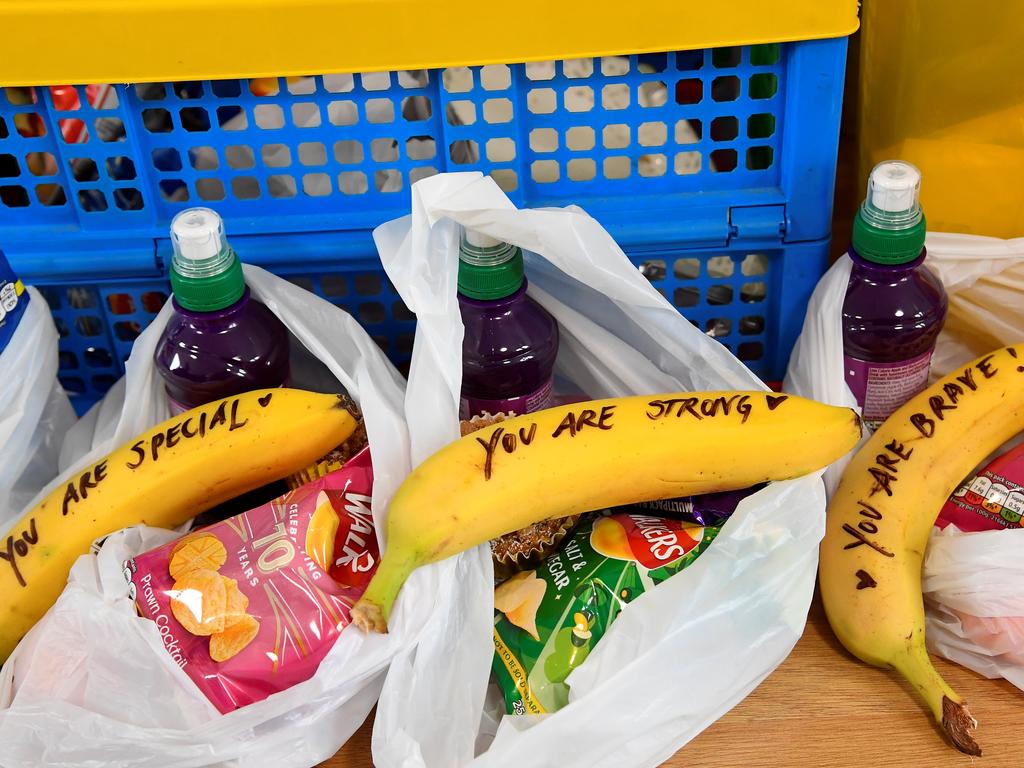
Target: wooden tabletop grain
[821, 708]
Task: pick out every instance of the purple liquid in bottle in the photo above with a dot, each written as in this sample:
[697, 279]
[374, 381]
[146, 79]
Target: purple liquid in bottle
[204, 356]
[894, 307]
[510, 341]
[220, 341]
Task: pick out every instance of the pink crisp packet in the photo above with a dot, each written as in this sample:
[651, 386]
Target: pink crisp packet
[256, 601]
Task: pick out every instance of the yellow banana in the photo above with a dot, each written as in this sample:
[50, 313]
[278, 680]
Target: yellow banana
[883, 511]
[166, 476]
[576, 458]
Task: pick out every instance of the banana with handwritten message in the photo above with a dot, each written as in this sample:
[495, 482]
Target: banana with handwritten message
[880, 518]
[577, 458]
[164, 477]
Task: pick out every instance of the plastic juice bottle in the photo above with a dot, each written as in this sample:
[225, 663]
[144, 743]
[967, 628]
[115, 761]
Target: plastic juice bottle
[894, 306]
[13, 300]
[220, 341]
[510, 342]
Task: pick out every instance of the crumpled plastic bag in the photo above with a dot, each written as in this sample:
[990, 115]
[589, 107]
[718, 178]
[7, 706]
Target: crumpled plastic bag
[683, 653]
[91, 684]
[973, 585]
[35, 412]
[972, 582]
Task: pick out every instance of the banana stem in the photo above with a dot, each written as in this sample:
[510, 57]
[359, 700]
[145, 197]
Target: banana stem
[372, 610]
[947, 707]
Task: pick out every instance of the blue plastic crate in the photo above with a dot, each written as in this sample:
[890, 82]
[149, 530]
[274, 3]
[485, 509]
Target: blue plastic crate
[713, 168]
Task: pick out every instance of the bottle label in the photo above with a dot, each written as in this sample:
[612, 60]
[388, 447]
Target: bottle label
[881, 388]
[537, 400]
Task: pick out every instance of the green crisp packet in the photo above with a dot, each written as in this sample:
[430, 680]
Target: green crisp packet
[547, 620]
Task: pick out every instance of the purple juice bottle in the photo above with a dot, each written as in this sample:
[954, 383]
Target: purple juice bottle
[220, 341]
[894, 307]
[510, 341]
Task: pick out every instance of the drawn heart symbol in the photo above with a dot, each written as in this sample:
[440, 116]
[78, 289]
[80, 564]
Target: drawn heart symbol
[774, 401]
[265, 400]
[866, 580]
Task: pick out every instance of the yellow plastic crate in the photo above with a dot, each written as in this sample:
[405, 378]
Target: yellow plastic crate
[104, 41]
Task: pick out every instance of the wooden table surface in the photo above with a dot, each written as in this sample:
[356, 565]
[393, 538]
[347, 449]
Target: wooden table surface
[820, 708]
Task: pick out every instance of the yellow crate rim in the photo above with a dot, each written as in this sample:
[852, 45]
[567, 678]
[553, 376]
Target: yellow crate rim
[52, 42]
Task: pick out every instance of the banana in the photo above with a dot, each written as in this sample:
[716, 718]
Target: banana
[166, 476]
[882, 513]
[572, 459]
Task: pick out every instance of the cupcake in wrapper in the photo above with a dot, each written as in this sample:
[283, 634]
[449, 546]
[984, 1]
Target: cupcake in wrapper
[334, 460]
[526, 549]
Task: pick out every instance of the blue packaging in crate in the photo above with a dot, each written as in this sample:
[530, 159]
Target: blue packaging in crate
[713, 169]
[13, 300]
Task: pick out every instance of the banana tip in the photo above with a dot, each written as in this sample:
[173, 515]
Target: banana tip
[347, 403]
[958, 724]
[369, 617]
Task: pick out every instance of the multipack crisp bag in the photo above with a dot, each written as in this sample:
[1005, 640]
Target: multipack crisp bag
[249, 606]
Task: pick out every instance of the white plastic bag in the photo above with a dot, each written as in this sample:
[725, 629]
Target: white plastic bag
[682, 654]
[34, 410]
[973, 585]
[91, 684]
[972, 582]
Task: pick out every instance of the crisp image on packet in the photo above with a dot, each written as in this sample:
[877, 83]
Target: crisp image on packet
[548, 620]
[249, 606]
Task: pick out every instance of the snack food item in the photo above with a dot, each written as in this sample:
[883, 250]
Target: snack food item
[527, 547]
[163, 477]
[332, 461]
[250, 606]
[705, 509]
[548, 620]
[992, 499]
[881, 517]
[13, 301]
[481, 420]
[577, 458]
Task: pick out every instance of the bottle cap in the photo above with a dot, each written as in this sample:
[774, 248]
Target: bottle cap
[479, 239]
[488, 268]
[197, 233]
[205, 273]
[889, 227]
